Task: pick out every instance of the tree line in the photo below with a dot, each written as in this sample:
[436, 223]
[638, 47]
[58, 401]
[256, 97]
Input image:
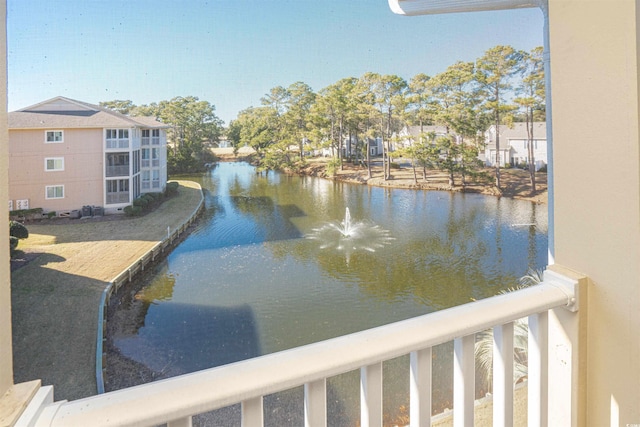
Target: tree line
[502, 86]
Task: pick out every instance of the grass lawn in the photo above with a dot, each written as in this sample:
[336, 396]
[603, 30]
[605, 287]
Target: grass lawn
[55, 296]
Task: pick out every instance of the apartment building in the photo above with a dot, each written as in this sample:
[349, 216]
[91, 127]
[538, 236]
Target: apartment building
[65, 154]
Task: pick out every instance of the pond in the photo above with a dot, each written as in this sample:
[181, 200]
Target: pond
[266, 270]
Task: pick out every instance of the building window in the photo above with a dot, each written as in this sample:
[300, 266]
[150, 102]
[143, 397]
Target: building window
[117, 133]
[145, 137]
[155, 183]
[146, 180]
[136, 186]
[136, 162]
[155, 157]
[52, 164]
[117, 186]
[117, 138]
[117, 164]
[145, 157]
[117, 191]
[54, 136]
[155, 137]
[54, 192]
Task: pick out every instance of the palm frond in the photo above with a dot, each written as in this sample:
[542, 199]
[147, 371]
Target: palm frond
[484, 340]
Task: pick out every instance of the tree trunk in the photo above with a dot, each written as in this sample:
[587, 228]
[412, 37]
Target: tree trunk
[301, 144]
[463, 176]
[368, 158]
[341, 147]
[415, 173]
[384, 160]
[532, 158]
[497, 94]
[387, 174]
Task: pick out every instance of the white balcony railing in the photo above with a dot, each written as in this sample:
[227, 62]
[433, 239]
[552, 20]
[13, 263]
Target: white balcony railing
[118, 143]
[155, 140]
[121, 170]
[174, 401]
[120, 197]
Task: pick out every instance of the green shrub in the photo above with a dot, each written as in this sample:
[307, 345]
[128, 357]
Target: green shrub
[51, 214]
[171, 188]
[13, 243]
[141, 202]
[26, 213]
[18, 230]
[332, 166]
[132, 210]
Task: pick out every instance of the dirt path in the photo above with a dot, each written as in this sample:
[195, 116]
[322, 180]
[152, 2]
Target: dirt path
[56, 295]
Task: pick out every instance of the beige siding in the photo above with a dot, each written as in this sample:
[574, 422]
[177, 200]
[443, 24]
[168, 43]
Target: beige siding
[594, 71]
[82, 176]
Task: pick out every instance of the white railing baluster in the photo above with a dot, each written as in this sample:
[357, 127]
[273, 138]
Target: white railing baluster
[315, 403]
[464, 383]
[503, 375]
[182, 422]
[538, 369]
[420, 388]
[252, 413]
[371, 395]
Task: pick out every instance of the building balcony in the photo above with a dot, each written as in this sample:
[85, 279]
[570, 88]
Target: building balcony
[155, 140]
[120, 170]
[117, 143]
[553, 359]
[120, 197]
[146, 163]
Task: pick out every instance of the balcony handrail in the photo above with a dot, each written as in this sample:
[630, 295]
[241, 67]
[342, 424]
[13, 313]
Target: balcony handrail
[187, 395]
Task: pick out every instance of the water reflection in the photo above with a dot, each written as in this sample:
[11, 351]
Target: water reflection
[246, 281]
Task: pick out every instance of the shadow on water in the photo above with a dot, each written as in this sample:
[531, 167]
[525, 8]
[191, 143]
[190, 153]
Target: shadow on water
[165, 340]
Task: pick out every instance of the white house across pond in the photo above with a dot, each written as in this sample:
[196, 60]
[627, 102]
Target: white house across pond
[514, 145]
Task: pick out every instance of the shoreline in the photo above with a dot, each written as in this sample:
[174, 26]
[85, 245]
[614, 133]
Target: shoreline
[515, 182]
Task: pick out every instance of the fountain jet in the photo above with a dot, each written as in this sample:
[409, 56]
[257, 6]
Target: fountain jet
[346, 224]
[350, 236]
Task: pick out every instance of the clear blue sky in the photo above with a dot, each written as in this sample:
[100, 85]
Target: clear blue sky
[232, 52]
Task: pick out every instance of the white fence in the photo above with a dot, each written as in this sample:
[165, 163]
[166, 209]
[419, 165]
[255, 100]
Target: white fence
[550, 306]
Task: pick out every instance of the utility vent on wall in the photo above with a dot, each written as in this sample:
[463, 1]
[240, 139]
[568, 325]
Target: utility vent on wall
[22, 204]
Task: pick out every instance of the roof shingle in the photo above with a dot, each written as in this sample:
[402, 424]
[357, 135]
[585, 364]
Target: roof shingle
[65, 113]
